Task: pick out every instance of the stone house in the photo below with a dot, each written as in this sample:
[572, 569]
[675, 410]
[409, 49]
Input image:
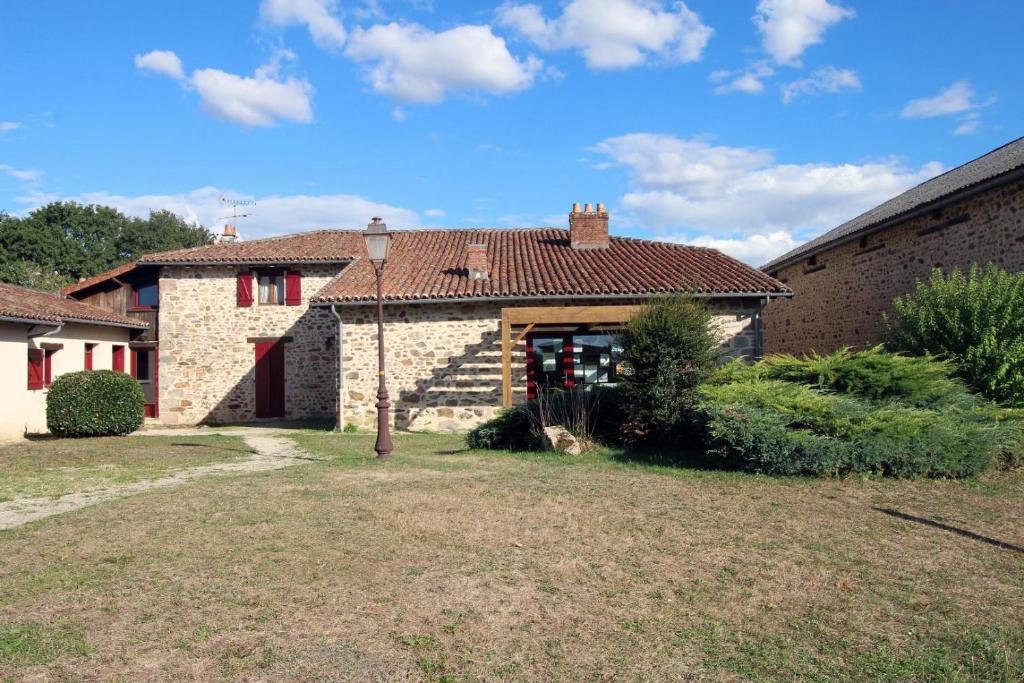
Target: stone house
[476, 319]
[845, 279]
[43, 336]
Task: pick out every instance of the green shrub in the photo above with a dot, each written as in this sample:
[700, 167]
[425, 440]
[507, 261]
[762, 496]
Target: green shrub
[94, 403]
[670, 347]
[779, 427]
[873, 374]
[976, 320]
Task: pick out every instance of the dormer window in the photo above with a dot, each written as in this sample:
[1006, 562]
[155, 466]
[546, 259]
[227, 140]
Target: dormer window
[271, 287]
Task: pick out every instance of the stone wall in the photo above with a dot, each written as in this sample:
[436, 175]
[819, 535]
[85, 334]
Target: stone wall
[444, 360]
[840, 299]
[207, 363]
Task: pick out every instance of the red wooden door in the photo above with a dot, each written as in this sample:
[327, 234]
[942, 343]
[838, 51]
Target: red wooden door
[270, 379]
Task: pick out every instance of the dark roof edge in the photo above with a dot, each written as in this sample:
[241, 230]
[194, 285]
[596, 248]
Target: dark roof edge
[521, 297]
[945, 200]
[63, 320]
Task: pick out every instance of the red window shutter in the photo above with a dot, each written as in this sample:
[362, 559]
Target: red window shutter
[293, 288]
[117, 362]
[88, 356]
[245, 289]
[48, 367]
[35, 368]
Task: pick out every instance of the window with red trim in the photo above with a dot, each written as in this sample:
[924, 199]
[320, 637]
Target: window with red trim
[271, 287]
[88, 355]
[36, 372]
[117, 358]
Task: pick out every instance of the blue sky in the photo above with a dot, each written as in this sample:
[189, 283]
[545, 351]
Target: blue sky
[745, 125]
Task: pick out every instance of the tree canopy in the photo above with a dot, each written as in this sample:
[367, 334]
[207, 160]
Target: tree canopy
[56, 244]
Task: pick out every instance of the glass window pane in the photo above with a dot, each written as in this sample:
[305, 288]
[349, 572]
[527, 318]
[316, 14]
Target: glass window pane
[279, 289]
[148, 295]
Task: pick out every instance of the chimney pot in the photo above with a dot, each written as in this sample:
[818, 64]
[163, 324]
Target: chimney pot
[575, 207]
[476, 262]
[589, 229]
[229, 234]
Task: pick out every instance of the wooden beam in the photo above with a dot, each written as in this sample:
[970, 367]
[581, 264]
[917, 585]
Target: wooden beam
[570, 314]
[506, 359]
[522, 335]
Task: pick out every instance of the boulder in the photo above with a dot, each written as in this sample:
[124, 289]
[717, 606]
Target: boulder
[562, 440]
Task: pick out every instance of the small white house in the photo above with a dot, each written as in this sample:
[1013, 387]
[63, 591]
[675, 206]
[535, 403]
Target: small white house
[42, 336]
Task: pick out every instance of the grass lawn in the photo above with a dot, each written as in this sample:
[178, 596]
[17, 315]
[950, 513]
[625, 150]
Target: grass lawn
[57, 467]
[450, 565]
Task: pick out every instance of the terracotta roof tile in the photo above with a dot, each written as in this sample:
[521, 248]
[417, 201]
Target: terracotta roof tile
[431, 264]
[319, 246]
[46, 307]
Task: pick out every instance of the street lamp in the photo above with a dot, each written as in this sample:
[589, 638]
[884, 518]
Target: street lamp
[378, 244]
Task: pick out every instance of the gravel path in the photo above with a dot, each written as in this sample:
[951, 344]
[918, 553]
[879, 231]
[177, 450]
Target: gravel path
[272, 452]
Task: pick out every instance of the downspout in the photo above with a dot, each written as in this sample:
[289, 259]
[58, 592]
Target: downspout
[341, 371]
[759, 329]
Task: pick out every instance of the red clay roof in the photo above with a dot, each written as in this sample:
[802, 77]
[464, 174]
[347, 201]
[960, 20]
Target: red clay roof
[431, 264]
[97, 279]
[46, 307]
[319, 246]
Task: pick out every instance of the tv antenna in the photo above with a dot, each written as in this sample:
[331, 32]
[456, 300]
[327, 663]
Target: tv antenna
[235, 205]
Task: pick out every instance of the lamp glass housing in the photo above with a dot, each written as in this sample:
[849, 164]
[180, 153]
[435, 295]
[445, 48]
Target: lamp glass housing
[378, 242]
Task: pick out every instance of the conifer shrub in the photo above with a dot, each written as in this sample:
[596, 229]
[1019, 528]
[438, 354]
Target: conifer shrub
[94, 403]
[670, 348]
[835, 415]
[973, 319]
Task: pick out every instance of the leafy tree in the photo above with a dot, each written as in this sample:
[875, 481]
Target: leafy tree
[76, 240]
[975, 320]
[670, 348]
[29, 274]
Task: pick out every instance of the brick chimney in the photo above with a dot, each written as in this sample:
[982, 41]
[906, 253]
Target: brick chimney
[588, 229]
[476, 262]
[229, 234]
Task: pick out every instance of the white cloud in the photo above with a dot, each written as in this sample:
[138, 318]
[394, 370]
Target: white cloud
[258, 100]
[969, 123]
[955, 99]
[272, 214]
[788, 27]
[415, 64]
[398, 114]
[613, 34]
[163, 62]
[722, 191]
[749, 80]
[7, 126]
[828, 79]
[25, 175]
[752, 249]
[435, 213]
[316, 15]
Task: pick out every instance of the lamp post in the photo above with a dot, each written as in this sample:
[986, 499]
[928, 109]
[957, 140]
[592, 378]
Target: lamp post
[378, 244]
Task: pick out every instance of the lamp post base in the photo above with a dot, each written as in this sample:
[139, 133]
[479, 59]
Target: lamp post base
[383, 445]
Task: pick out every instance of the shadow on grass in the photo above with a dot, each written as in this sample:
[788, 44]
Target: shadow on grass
[684, 458]
[213, 447]
[946, 527]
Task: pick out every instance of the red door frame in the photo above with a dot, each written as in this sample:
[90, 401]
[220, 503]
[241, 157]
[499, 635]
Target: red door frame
[270, 379]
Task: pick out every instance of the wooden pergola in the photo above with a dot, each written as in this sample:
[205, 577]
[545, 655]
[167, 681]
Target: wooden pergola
[521, 321]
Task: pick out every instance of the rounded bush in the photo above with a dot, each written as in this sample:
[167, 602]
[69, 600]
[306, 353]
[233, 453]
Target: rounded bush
[94, 403]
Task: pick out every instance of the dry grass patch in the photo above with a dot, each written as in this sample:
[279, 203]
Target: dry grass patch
[57, 467]
[445, 564]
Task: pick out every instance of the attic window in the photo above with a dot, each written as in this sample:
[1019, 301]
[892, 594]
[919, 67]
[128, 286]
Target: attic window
[271, 284]
[864, 242]
[812, 260]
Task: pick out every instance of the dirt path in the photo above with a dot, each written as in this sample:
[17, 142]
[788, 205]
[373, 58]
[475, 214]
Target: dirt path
[272, 452]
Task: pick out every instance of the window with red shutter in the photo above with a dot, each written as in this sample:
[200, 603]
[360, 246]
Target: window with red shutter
[88, 356]
[293, 288]
[36, 360]
[48, 366]
[245, 289]
[117, 358]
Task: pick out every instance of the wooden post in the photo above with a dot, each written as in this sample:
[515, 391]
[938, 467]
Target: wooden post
[506, 359]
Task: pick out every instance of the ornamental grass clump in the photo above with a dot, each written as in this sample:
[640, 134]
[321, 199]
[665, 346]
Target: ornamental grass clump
[94, 403]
